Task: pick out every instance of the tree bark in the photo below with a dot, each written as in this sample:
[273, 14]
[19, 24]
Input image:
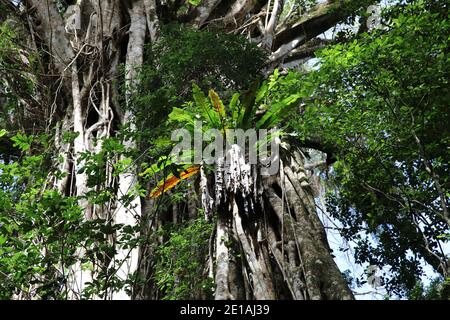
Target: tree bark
[277, 236]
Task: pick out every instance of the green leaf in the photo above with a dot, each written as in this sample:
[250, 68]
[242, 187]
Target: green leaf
[208, 112]
[249, 107]
[195, 3]
[22, 141]
[181, 115]
[277, 112]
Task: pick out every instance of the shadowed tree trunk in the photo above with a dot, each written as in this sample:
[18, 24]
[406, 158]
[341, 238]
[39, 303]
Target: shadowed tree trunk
[271, 226]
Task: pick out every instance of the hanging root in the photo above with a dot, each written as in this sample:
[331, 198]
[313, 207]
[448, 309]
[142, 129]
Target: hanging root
[280, 241]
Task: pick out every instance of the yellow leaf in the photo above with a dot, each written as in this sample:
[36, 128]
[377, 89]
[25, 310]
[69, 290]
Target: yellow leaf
[171, 181]
[218, 105]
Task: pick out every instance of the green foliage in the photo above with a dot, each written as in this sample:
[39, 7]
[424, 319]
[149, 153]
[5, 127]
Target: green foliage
[436, 290]
[17, 79]
[42, 231]
[183, 56]
[180, 269]
[22, 141]
[214, 61]
[239, 113]
[382, 101]
[39, 228]
[195, 2]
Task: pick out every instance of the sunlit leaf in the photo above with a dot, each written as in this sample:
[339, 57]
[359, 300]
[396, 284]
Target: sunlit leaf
[171, 181]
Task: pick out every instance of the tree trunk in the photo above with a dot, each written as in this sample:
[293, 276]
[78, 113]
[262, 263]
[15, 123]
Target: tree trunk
[276, 233]
[283, 251]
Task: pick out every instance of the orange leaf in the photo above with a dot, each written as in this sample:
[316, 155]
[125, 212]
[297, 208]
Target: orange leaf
[218, 105]
[171, 181]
